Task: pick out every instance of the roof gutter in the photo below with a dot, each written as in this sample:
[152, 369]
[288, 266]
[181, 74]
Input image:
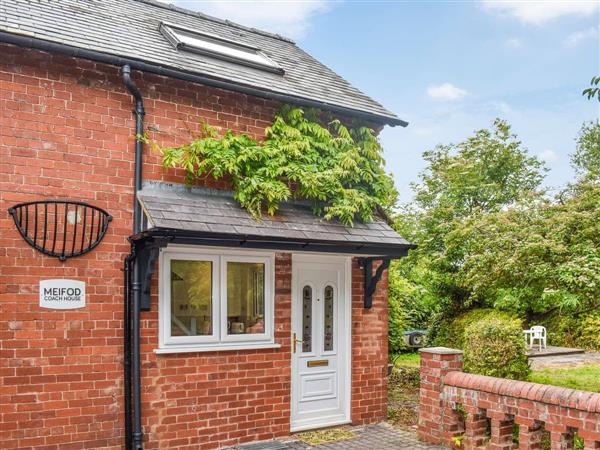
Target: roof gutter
[40, 44]
[275, 243]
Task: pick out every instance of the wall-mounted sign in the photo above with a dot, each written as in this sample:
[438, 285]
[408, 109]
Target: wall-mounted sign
[62, 294]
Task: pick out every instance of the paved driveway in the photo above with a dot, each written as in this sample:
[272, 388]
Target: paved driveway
[373, 437]
[562, 361]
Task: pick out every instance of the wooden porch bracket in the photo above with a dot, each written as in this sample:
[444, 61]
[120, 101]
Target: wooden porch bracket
[147, 254]
[371, 279]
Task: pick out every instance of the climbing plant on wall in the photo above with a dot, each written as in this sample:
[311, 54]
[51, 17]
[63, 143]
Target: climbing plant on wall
[339, 169]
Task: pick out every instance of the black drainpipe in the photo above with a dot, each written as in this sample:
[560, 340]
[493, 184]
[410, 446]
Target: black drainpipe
[134, 439]
[139, 131]
[127, 347]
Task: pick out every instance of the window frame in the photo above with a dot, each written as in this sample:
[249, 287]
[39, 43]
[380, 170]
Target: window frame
[219, 339]
[177, 34]
[268, 324]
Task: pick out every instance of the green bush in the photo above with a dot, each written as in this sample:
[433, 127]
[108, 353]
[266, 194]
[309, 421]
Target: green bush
[410, 308]
[495, 347]
[590, 333]
[563, 330]
[451, 332]
[396, 325]
[582, 331]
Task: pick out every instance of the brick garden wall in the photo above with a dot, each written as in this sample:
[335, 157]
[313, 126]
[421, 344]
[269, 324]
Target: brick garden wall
[66, 131]
[483, 411]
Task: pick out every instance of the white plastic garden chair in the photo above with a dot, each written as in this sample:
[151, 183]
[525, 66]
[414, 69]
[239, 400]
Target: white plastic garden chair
[537, 333]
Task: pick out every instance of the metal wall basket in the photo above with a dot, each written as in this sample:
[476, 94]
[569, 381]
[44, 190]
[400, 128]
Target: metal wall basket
[60, 228]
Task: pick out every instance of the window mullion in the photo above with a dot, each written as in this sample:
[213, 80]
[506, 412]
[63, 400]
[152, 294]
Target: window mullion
[222, 298]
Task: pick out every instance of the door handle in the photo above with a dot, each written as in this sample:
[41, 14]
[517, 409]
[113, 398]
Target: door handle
[296, 340]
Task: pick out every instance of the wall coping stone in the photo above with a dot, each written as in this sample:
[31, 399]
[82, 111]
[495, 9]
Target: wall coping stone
[553, 395]
[441, 351]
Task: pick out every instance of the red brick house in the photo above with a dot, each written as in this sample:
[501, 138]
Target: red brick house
[191, 325]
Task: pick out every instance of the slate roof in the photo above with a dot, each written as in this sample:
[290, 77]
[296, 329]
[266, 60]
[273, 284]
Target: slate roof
[211, 212]
[130, 29]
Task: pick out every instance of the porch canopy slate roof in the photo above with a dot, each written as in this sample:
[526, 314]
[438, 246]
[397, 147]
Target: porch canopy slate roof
[129, 29]
[213, 217]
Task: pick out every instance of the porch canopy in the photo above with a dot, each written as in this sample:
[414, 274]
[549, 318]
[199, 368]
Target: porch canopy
[199, 216]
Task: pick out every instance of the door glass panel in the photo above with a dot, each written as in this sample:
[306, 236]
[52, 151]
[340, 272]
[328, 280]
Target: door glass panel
[306, 319]
[328, 320]
[245, 298]
[191, 298]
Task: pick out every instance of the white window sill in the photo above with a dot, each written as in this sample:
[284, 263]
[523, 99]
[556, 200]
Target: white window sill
[217, 348]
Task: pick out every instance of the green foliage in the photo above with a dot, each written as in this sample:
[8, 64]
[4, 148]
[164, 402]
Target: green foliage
[489, 238]
[564, 330]
[577, 330]
[339, 169]
[495, 347]
[483, 174]
[590, 333]
[594, 89]
[397, 314]
[586, 158]
[411, 305]
[452, 330]
[536, 257]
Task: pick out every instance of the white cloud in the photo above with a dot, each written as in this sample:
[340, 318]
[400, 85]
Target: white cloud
[578, 37]
[288, 18]
[541, 11]
[548, 155]
[513, 43]
[445, 92]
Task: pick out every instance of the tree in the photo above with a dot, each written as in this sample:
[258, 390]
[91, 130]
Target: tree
[594, 89]
[536, 257]
[586, 158]
[540, 255]
[485, 173]
[489, 237]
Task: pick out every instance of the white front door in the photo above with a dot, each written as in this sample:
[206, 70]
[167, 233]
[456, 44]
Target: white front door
[321, 337]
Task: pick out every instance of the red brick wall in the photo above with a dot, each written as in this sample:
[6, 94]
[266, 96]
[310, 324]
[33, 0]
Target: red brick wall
[66, 131]
[369, 350]
[200, 400]
[483, 410]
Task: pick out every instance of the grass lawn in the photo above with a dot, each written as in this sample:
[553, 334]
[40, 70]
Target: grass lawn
[407, 360]
[586, 378]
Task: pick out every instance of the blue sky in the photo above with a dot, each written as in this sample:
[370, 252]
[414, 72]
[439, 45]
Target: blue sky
[449, 68]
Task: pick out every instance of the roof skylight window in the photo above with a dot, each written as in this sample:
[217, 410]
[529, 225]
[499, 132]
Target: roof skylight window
[217, 47]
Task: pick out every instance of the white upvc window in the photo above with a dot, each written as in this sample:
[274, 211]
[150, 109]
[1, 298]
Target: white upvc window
[211, 299]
